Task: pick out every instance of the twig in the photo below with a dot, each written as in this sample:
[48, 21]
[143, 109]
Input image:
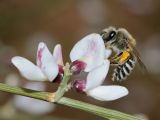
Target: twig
[100, 111]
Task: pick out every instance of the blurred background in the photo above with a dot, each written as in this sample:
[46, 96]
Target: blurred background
[24, 23]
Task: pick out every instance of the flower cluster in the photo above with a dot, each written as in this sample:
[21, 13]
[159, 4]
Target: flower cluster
[48, 66]
[88, 55]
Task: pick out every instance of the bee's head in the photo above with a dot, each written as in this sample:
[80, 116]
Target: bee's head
[109, 35]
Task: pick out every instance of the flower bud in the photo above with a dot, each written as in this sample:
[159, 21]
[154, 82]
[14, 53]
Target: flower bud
[60, 75]
[79, 85]
[77, 66]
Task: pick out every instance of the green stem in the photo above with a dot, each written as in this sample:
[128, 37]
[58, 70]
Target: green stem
[63, 85]
[100, 111]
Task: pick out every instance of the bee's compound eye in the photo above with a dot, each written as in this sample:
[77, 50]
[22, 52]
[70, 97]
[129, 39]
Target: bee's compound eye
[111, 35]
[107, 36]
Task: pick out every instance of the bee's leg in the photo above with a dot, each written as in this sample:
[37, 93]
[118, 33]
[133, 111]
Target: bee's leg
[114, 63]
[113, 57]
[114, 60]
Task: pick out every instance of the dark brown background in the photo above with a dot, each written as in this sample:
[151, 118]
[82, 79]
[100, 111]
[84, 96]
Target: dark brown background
[24, 23]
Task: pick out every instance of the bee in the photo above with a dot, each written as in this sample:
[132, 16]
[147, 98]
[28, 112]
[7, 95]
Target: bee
[124, 53]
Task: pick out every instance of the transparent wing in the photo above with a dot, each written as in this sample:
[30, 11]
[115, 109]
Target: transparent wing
[137, 55]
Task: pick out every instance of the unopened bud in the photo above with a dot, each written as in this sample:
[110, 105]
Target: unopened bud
[77, 66]
[60, 75]
[79, 85]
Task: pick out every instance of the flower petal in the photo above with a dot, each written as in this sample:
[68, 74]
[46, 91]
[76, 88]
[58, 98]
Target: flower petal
[97, 76]
[46, 62]
[39, 86]
[90, 49]
[28, 69]
[108, 93]
[12, 79]
[38, 107]
[57, 53]
[108, 53]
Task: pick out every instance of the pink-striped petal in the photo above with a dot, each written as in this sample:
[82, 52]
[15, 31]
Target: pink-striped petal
[46, 62]
[90, 50]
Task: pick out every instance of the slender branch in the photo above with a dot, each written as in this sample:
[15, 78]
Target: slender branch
[100, 111]
[24, 92]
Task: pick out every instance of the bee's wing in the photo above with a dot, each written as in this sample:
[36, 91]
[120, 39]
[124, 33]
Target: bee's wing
[137, 55]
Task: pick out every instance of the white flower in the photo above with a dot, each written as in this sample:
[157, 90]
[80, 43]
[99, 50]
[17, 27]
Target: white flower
[30, 105]
[91, 50]
[48, 65]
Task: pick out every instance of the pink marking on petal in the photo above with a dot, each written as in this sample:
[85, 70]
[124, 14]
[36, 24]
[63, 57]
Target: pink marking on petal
[93, 46]
[92, 49]
[39, 56]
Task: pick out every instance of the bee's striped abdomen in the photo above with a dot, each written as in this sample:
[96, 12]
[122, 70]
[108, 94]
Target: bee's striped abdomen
[122, 71]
